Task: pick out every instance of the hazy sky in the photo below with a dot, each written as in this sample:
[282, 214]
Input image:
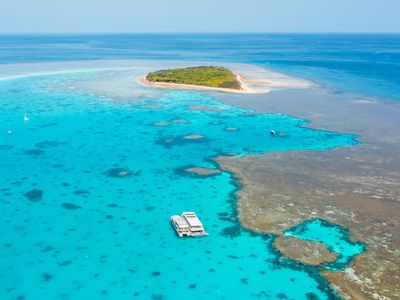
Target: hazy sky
[18, 16]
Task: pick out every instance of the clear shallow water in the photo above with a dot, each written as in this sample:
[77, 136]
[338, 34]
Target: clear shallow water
[368, 64]
[71, 230]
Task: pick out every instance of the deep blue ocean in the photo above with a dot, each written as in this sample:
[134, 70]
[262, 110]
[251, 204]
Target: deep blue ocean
[368, 64]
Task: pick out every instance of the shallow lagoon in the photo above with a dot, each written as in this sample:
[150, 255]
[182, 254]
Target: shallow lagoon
[335, 237]
[71, 230]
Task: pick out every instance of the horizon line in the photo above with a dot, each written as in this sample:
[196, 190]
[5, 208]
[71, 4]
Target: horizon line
[195, 32]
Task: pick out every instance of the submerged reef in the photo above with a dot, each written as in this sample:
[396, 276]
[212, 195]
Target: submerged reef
[153, 106]
[34, 152]
[204, 108]
[196, 171]
[202, 171]
[306, 252]
[179, 121]
[167, 123]
[70, 206]
[119, 173]
[182, 140]
[292, 186]
[6, 147]
[48, 144]
[193, 137]
[34, 195]
[161, 124]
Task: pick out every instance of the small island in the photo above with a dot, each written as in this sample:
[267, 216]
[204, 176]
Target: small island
[204, 78]
[209, 76]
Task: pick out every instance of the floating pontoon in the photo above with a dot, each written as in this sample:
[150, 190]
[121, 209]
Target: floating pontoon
[188, 224]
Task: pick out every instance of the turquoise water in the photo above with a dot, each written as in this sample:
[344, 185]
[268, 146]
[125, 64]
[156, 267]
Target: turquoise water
[335, 237]
[73, 229]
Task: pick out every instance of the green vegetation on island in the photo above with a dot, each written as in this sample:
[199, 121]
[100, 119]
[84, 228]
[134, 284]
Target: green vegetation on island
[205, 76]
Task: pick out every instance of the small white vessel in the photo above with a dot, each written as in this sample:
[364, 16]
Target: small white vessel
[26, 118]
[273, 132]
[9, 131]
[188, 224]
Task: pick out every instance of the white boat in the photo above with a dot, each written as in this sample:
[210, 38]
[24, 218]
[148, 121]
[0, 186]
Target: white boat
[26, 118]
[188, 224]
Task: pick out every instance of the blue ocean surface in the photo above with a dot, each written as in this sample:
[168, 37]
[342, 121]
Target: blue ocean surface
[73, 227]
[367, 64]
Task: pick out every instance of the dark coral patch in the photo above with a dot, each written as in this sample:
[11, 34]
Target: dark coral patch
[64, 263]
[47, 125]
[225, 216]
[58, 166]
[47, 276]
[312, 296]
[196, 171]
[81, 192]
[120, 172]
[34, 195]
[5, 147]
[47, 249]
[70, 206]
[47, 144]
[182, 140]
[34, 152]
[104, 292]
[232, 231]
